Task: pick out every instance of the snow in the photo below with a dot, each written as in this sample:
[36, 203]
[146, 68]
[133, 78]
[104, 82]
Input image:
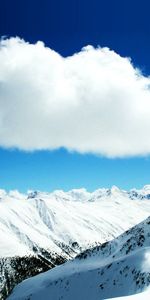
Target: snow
[48, 220]
[141, 296]
[117, 268]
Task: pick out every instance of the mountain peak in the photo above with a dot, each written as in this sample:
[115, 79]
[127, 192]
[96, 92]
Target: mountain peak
[115, 190]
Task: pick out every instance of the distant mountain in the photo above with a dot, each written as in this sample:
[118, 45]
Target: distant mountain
[41, 230]
[116, 268]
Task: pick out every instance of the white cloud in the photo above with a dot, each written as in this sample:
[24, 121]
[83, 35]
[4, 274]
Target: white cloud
[93, 101]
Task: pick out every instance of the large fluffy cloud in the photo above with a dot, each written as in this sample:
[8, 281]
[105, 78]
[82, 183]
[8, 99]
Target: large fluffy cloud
[93, 101]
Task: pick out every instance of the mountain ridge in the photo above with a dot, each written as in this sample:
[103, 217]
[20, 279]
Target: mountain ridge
[116, 268]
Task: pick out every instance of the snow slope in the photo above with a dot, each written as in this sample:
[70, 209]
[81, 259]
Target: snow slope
[117, 268]
[141, 296]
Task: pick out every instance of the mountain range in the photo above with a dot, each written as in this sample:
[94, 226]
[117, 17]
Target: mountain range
[40, 230]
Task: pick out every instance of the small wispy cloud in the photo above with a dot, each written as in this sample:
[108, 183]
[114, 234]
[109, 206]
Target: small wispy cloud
[93, 101]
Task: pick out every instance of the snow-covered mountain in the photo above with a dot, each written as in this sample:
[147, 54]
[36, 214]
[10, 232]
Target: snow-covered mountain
[76, 219]
[42, 230]
[116, 268]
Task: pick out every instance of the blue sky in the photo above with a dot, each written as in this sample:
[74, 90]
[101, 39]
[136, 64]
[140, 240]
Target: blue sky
[49, 170]
[67, 26]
